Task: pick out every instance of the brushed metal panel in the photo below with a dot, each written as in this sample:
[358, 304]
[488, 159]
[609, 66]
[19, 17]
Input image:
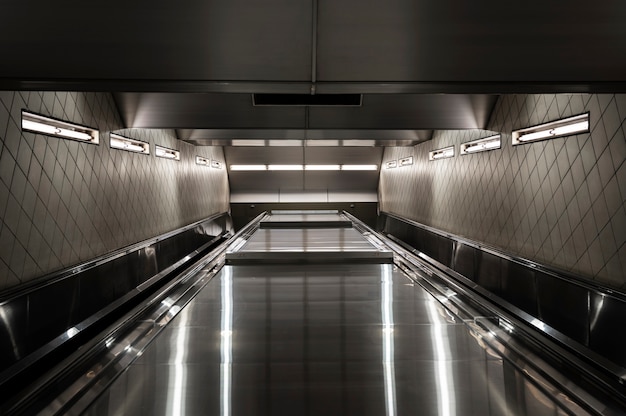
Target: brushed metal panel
[489, 272]
[607, 315]
[312, 339]
[13, 331]
[518, 287]
[564, 306]
[214, 40]
[204, 111]
[407, 111]
[465, 260]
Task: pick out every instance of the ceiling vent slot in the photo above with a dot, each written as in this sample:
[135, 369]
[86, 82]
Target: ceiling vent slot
[327, 100]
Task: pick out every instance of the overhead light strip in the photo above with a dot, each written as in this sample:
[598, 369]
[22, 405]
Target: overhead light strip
[244, 168]
[166, 153]
[36, 123]
[322, 167]
[248, 167]
[481, 145]
[128, 144]
[359, 167]
[560, 128]
[444, 153]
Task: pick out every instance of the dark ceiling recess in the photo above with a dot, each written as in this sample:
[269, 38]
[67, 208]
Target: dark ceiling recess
[345, 100]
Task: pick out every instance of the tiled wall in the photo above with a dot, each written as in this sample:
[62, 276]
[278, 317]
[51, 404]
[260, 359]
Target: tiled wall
[559, 201]
[63, 202]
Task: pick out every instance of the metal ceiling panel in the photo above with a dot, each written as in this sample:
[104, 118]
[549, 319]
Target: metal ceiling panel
[471, 42]
[236, 111]
[407, 111]
[338, 137]
[227, 40]
[204, 111]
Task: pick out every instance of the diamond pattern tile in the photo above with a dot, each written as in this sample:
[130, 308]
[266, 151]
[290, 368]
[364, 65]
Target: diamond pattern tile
[63, 202]
[559, 201]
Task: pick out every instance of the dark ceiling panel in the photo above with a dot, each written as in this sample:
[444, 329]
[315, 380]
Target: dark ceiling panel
[266, 40]
[464, 41]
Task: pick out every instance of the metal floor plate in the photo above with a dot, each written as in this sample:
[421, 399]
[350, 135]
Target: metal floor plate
[338, 339]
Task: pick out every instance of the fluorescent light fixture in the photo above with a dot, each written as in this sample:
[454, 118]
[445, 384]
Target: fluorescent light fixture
[405, 161]
[248, 167]
[36, 123]
[359, 167]
[322, 167]
[216, 164]
[481, 145]
[391, 164]
[559, 128]
[301, 167]
[285, 167]
[202, 161]
[167, 153]
[131, 145]
[441, 153]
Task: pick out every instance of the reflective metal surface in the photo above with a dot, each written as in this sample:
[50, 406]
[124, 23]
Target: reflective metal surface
[326, 220]
[38, 319]
[308, 245]
[340, 339]
[580, 320]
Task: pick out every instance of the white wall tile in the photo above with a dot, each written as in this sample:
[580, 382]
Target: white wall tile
[560, 202]
[63, 202]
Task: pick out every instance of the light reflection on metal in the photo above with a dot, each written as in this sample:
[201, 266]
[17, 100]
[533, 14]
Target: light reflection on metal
[177, 373]
[445, 385]
[226, 342]
[386, 308]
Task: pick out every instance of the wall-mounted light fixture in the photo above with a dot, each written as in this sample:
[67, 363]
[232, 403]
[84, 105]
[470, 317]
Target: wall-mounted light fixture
[131, 145]
[441, 153]
[167, 153]
[36, 123]
[202, 161]
[559, 128]
[391, 164]
[481, 145]
[216, 164]
[406, 161]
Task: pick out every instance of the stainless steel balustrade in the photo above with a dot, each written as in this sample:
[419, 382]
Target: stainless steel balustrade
[583, 317]
[39, 318]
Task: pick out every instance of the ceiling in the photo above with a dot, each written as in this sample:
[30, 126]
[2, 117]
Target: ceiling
[418, 65]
